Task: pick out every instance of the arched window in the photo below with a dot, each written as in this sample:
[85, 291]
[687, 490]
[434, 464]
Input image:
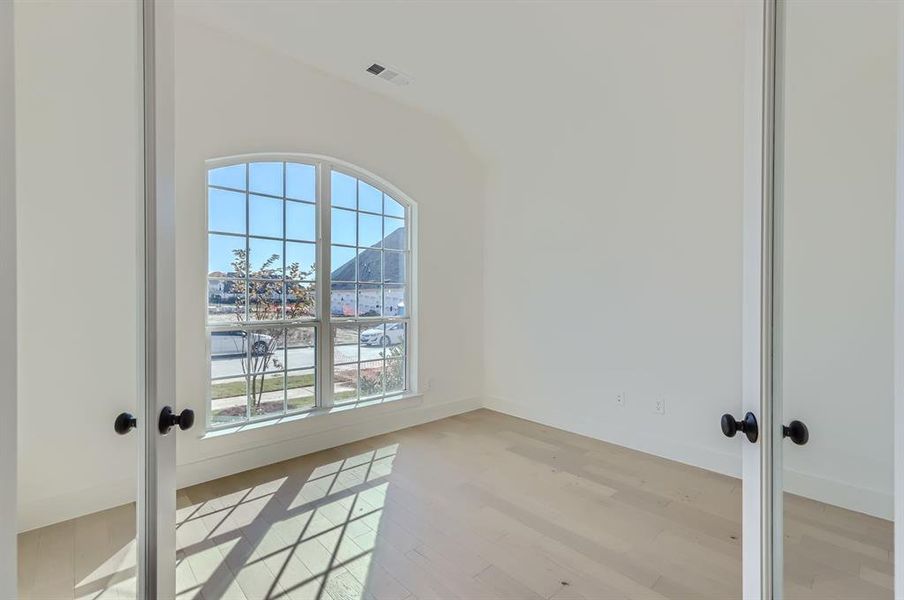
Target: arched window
[308, 287]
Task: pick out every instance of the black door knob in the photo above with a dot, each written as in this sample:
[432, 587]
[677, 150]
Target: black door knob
[124, 423]
[169, 419]
[797, 431]
[730, 426]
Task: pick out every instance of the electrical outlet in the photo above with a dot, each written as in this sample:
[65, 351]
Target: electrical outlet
[620, 399]
[659, 406]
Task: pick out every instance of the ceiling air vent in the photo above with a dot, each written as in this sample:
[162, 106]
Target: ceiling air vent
[389, 74]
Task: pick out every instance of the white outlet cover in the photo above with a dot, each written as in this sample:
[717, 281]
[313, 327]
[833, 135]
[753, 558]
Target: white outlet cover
[659, 407]
[620, 399]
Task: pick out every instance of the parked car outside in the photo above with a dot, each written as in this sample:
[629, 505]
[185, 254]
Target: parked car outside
[393, 335]
[231, 344]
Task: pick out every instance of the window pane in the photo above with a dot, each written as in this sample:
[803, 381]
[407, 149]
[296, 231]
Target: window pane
[396, 340]
[343, 226]
[226, 255]
[343, 263]
[369, 198]
[345, 344]
[266, 178]
[394, 267]
[301, 221]
[370, 230]
[228, 401]
[300, 260]
[261, 372]
[265, 258]
[225, 300]
[268, 350]
[227, 354]
[372, 349]
[301, 182]
[265, 216]
[265, 300]
[268, 394]
[372, 341]
[393, 208]
[342, 300]
[301, 300]
[370, 265]
[231, 177]
[370, 379]
[300, 390]
[396, 234]
[225, 211]
[395, 301]
[395, 376]
[370, 300]
[342, 188]
[300, 348]
[345, 384]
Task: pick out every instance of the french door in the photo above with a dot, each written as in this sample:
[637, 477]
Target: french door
[96, 355]
[94, 191]
[836, 123]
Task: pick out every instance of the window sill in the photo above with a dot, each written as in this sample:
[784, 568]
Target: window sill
[317, 412]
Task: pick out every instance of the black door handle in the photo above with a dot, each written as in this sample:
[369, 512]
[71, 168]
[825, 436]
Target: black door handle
[169, 419]
[748, 426]
[124, 423]
[797, 431]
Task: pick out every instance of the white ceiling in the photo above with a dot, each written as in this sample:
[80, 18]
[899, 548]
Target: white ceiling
[502, 72]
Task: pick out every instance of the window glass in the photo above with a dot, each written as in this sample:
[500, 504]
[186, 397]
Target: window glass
[265, 328]
[368, 288]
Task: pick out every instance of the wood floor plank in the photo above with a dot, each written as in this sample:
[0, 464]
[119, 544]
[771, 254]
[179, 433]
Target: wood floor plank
[480, 506]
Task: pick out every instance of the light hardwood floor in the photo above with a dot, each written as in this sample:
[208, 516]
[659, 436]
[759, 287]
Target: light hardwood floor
[481, 505]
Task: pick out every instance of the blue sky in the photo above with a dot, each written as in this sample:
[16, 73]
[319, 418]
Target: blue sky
[227, 213]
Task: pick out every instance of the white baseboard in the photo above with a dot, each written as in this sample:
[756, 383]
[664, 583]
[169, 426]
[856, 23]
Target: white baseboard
[868, 501]
[726, 463]
[863, 500]
[330, 431]
[327, 431]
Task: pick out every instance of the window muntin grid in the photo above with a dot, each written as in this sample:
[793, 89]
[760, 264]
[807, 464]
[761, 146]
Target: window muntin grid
[369, 289]
[371, 272]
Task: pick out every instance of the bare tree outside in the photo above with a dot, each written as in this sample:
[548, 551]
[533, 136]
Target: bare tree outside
[264, 297]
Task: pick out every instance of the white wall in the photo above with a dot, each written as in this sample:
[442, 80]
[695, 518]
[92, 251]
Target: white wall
[79, 192]
[614, 250]
[7, 305]
[614, 246]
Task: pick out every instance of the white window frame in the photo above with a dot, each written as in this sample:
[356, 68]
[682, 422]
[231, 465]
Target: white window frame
[323, 321]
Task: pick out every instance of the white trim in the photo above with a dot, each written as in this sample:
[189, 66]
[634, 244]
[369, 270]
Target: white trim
[267, 447]
[899, 323]
[325, 256]
[325, 432]
[323, 321]
[157, 457]
[870, 501]
[315, 413]
[8, 466]
[687, 452]
[753, 551]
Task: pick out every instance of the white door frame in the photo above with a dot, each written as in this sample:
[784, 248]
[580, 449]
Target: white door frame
[157, 455]
[8, 341]
[899, 322]
[157, 461]
[758, 504]
[157, 481]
